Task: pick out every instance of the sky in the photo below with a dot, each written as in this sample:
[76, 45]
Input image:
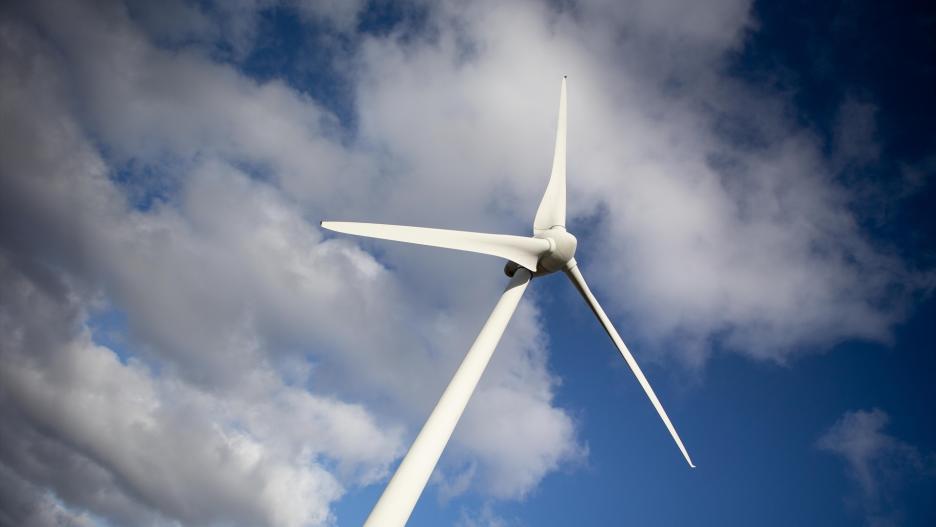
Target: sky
[750, 184]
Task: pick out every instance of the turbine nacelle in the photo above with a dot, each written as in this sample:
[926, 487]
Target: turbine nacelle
[558, 256]
[561, 250]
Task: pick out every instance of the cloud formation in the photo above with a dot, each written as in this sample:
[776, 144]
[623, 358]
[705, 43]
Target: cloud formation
[148, 179]
[721, 216]
[125, 196]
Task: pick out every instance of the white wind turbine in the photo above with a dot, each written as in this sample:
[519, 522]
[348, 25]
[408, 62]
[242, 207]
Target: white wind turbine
[550, 249]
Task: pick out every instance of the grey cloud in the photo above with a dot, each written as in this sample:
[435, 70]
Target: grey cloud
[231, 28]
[674, 43]
[114, 439]
[27, 506]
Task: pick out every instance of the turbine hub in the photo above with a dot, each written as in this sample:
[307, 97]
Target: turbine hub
[561, 249]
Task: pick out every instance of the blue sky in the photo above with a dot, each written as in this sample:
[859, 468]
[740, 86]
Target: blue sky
[750, 185]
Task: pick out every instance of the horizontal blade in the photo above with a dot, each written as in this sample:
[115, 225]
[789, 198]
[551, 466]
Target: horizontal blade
[524, 251]
[576, 276]
[552, 208]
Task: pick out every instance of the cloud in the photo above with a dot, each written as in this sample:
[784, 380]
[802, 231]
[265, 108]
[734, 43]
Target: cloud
[250, 340]
[877, 462]
[130, 443]
[485, 517]
[148, 178]
[720, 217]
[126, 444]
[28, 506]
[858, 438]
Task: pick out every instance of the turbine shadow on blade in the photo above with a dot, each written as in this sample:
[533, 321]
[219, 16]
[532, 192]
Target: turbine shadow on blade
[549, 250]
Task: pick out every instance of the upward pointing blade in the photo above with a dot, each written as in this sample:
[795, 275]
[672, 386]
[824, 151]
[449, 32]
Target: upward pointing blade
[552, 209]
[576, 276]
[519, 249]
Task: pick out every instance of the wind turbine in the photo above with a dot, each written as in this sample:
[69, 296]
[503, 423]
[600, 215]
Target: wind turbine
[550, 249]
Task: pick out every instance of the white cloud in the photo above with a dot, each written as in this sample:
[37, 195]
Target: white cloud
[485, 517]
[714, 232]
[167, 186]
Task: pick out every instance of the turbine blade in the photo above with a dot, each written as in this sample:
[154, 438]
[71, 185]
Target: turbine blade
[576, 276]
[519, 249]
[552, 208]
[398, 499]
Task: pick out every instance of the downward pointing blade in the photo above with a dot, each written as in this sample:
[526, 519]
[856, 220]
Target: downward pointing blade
[398, 499]
[576, 276]
[519, 249]
[552, 209]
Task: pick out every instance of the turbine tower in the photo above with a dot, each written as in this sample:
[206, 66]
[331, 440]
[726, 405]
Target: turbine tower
[550, 249]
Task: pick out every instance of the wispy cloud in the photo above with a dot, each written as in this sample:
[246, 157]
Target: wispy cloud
[484, 517]
[879, 463]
